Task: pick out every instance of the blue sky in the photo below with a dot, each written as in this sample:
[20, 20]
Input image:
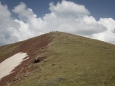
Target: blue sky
[98, 8]
[90, 18]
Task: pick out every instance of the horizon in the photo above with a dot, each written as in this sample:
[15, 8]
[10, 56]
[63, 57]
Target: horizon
[22, 20]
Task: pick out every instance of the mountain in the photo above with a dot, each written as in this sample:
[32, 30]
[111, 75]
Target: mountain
[58, 59]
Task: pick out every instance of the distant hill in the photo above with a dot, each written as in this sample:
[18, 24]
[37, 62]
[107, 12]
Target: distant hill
[60, 59]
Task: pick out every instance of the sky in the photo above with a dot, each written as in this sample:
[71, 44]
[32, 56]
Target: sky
[23, 19]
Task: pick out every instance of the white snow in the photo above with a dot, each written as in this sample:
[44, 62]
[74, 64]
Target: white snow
[9, 64]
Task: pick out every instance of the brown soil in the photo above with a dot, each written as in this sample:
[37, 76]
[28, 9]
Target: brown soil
[32, 47]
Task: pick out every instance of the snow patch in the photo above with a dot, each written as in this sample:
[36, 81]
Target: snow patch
[9, 64]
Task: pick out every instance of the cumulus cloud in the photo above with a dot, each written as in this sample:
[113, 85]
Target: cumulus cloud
[7, 25]
[66, 16]
[109, 34]
[68, 8]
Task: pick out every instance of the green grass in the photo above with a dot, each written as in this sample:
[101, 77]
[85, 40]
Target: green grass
[4, 50]
[74, 61]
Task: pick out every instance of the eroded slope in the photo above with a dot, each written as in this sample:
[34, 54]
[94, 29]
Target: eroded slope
[35, 47]
[74, 61]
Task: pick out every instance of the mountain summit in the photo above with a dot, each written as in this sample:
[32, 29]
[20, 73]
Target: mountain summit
[57, 59]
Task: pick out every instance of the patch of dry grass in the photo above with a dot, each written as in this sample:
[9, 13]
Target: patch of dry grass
[74, 61]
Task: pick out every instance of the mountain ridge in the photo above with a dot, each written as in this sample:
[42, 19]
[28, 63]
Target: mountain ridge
[50, 53]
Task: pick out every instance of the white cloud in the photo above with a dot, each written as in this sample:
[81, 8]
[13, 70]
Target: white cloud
[66, 16]
[68, 8]
[7, 24]
[109, 34]
[27, 18]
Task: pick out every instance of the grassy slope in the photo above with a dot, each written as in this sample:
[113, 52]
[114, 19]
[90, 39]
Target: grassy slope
[74, 61]
[7, 49]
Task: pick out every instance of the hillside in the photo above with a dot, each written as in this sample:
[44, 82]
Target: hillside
[61, 59]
